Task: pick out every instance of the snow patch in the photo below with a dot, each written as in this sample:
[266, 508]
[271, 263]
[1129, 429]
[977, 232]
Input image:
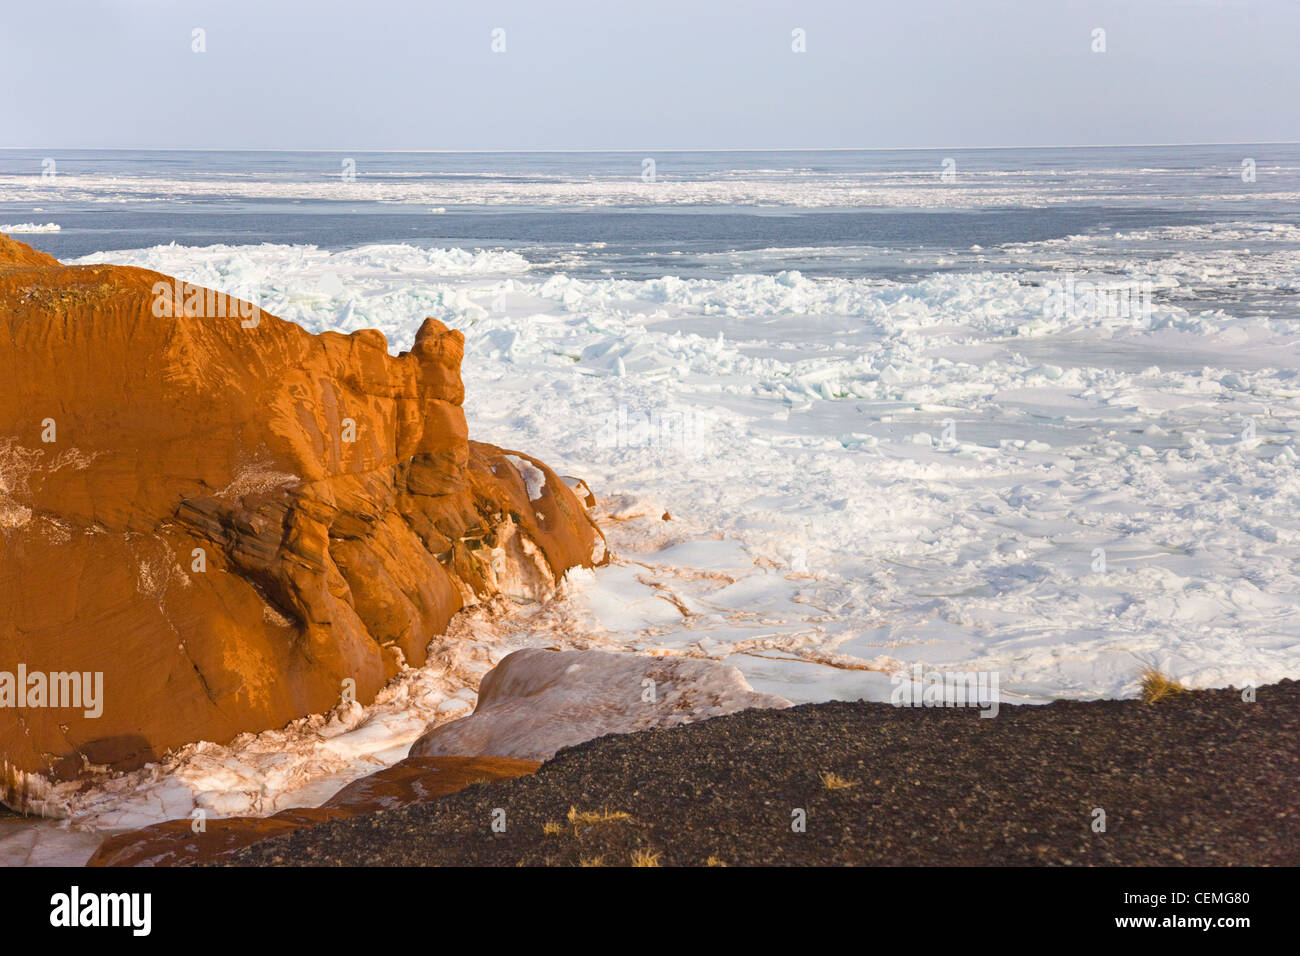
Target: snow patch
[534, 478]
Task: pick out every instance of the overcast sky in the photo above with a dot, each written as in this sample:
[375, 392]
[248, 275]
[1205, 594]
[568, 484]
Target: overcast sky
[421, 74]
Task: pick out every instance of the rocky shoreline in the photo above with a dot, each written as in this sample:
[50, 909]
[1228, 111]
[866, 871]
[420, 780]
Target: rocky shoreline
[1201, 778]
[213, 522]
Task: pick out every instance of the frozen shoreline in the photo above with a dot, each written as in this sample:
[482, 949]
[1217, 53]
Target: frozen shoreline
[866, 474]
[861, 475]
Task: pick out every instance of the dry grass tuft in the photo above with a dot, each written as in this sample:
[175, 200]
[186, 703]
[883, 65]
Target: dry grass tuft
[645, 858]
[551, 828]
[590, 818]
[714, 861]
[1156, 686]
[833, 781]
[591, 861]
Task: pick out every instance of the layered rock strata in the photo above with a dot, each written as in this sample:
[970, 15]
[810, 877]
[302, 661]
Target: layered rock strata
[213, 521]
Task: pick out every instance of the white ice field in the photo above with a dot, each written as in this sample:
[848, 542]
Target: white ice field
[862, 474]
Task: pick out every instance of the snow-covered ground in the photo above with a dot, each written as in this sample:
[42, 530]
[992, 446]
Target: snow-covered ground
[858, 475]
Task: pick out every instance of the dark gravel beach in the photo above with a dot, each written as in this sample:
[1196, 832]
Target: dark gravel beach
[1198, 778]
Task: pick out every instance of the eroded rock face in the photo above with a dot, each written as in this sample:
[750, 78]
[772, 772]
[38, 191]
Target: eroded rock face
[229, 517]
[537, 701]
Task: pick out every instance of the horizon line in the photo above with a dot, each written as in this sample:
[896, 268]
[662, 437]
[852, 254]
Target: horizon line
[639, 149]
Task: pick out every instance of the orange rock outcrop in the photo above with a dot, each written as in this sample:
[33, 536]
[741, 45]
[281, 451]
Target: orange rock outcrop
[234, 521]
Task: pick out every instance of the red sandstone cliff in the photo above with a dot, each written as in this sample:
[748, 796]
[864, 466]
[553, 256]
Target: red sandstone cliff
[229, 517]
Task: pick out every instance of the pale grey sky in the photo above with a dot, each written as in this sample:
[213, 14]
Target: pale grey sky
[421, 74]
